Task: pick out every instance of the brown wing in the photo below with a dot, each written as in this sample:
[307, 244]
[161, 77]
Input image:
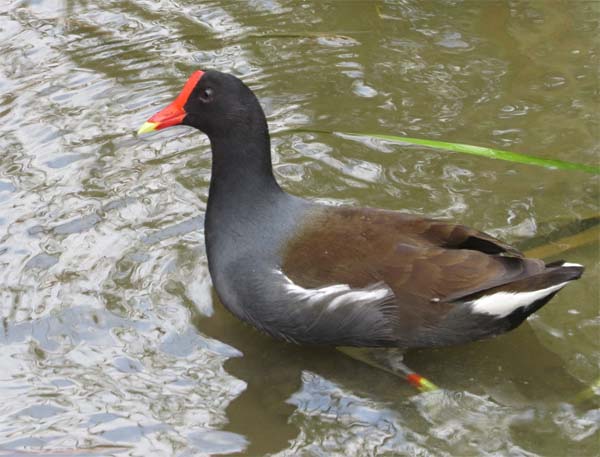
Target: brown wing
[424, 261]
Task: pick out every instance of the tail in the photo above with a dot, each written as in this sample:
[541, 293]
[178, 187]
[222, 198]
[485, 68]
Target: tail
[515, 301]
[498, 309]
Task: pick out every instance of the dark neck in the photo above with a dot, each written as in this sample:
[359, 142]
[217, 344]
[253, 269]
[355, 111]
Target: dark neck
[241, 166]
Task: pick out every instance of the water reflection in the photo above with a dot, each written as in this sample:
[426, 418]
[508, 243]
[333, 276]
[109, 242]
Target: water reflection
[112, 343]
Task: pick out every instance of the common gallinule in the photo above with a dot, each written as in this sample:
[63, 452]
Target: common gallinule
[312, 273]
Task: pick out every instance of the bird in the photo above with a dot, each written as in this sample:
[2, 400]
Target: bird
[318, 274]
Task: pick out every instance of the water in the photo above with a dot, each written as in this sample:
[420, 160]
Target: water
[112, 340]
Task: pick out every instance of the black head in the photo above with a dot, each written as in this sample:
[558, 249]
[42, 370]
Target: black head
[221, 102]
[216, 103]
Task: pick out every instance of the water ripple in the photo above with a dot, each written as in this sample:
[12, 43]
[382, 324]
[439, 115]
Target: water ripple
[112, 340]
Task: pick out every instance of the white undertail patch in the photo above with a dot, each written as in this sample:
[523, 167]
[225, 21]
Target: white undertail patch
[337, 295]
[501, 304]
[569, 264]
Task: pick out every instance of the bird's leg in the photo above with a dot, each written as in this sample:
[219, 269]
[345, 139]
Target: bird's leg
[391, 361]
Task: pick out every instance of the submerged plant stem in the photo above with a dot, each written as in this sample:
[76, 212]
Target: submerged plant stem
[490, 153]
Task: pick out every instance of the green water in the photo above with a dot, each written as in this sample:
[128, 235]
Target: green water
[112, 341]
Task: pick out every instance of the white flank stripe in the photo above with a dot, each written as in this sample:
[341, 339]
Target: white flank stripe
[337, 295]
[360, 295]
[569, 264]
[502, 304]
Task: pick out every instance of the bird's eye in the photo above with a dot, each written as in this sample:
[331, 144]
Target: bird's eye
[206, 94]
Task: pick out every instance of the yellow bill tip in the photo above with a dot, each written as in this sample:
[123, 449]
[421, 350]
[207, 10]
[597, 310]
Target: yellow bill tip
[147, 127]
